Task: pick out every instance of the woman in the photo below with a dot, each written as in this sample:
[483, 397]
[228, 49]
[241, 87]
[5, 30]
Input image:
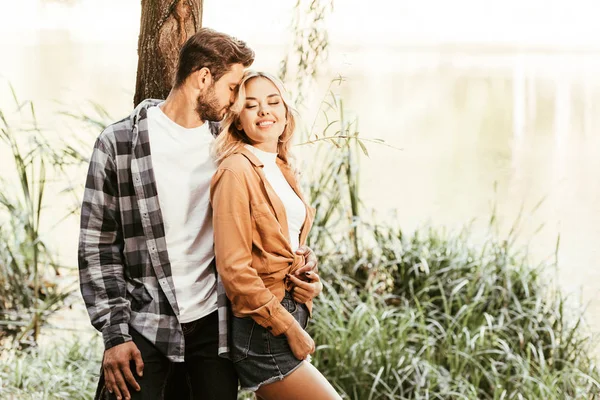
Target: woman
[260, 219]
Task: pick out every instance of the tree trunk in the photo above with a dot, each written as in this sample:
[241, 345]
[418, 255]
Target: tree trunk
[164, 27]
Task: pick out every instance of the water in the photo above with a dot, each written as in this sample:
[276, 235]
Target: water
[479, 128]
[478, 125]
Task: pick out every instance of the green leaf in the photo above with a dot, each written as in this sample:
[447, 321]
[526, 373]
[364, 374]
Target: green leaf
[363, 147]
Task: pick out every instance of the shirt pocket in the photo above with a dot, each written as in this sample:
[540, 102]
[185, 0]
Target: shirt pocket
[267, 227]
[262, 210]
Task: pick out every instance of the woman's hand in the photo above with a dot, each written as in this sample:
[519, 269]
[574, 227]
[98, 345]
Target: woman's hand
[310, 260]
[300, 342]
[306, 290]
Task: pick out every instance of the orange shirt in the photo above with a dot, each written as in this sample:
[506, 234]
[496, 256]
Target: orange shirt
[252, 246]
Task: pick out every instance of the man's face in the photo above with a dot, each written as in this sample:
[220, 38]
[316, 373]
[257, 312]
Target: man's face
[215, 101]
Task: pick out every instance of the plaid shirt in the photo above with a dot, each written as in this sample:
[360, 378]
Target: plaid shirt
[124, 268]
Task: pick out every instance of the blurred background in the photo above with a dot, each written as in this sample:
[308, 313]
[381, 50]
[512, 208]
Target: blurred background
[489, 102]
[486, 108]
[488, 111]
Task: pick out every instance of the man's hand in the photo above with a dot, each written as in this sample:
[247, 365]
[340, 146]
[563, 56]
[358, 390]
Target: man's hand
[310, 260]
[306, 290]
[116, 369]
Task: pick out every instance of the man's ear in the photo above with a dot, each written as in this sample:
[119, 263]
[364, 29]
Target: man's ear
[203, 78]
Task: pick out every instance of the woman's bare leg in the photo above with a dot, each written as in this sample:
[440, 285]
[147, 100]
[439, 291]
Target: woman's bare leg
[305, 383]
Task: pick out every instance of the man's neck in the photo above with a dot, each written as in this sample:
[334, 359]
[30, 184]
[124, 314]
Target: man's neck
[180, 108]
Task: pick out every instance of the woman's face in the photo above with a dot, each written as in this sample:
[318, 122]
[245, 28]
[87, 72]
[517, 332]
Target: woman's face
[263, 116]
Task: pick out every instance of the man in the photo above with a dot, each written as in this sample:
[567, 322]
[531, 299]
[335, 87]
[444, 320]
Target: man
[146, 257]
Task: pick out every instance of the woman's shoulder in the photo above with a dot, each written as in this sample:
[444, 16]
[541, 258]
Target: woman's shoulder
[238, 165]
[236, 171]
[236, 162]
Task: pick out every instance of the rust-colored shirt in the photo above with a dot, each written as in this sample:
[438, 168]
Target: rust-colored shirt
[252, 244]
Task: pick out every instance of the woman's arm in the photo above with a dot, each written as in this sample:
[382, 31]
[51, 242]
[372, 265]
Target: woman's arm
[232, 224]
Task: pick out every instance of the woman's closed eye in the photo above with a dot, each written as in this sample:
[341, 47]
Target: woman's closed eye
[251, 106]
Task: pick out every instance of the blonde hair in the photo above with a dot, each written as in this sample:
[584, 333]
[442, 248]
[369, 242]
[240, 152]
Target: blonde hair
[231, 138]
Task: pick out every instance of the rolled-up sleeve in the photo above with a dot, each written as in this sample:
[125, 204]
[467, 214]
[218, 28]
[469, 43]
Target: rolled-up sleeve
[232, 223]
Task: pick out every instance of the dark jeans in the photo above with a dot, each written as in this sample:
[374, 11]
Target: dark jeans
[203, 376]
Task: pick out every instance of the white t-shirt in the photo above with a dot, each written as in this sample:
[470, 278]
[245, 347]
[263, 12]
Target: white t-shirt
[295, 210]
[183, 168]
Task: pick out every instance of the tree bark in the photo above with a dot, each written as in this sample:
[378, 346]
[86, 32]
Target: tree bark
[164, 27]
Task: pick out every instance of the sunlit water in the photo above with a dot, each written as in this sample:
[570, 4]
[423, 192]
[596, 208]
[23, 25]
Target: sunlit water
[468, 120]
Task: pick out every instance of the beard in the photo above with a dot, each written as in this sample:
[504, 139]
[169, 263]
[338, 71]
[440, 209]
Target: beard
[207, 106]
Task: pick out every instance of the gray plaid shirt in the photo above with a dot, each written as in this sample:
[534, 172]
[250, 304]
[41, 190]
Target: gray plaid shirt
[124, 268]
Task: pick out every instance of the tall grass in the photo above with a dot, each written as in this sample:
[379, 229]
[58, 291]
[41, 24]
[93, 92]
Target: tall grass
[28, 290]
[432, 315]
[66, 369]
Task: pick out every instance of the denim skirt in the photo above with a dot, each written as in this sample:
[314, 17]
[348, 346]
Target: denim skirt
[259, 357]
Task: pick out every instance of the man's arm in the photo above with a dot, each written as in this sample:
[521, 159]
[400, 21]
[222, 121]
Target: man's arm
[101, 271]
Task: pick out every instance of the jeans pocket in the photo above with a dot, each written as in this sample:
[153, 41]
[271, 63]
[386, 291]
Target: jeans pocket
[241, 337]
[189, 327]
[289, 303]
[301, 315]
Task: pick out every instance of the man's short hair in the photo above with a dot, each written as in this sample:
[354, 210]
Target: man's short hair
[213, 50]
